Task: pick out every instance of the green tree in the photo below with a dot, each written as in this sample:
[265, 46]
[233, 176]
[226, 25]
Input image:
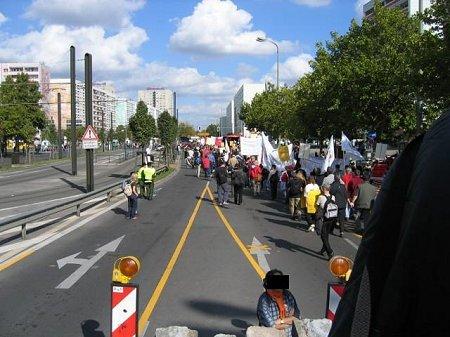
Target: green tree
[49, 132]
[185, 130]
[167, 129]
[20, 112]
[121, 134]
[213, 130]
[79, 131]
[142, 125]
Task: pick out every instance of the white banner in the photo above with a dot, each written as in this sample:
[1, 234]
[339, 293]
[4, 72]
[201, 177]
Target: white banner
[251, 146]
[329, 159]
[349, 150]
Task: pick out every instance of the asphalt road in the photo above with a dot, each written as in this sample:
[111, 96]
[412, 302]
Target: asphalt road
[212, 287]
[36, 188]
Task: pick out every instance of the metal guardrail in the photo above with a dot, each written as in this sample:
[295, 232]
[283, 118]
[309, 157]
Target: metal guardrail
[25, 218]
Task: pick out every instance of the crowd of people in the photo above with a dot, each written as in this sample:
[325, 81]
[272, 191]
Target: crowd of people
[326, 201]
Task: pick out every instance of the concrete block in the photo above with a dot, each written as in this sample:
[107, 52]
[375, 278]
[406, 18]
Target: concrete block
[313, 327]
[176, 331]
[259, 331]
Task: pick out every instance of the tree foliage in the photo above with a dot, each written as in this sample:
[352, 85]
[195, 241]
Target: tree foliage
[369, 79]
[142, 125]
[185, 130]
[167, 129]
[213, 130]
[20, 112]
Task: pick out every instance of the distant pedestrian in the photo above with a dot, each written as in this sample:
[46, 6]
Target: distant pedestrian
[222, 183]
[256, 178]
[238, 178]
[132, 194]
[295, 189]
[340, 194]
[273, 182]
[326, 218]
[329, 177]
[363, 200]
[312, 192]
[206, 165]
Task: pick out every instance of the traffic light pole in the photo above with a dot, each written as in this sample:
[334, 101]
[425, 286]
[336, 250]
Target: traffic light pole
[59, 126]
[73, 113]
[88, 110]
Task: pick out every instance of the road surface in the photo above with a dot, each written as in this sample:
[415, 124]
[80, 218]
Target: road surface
[211, 285]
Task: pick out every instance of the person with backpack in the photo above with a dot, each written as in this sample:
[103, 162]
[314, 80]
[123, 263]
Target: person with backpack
[222, 183]
[131, 192]
[326, 218]
[238, 178]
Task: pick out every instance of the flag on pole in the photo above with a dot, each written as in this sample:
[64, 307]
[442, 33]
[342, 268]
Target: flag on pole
[349, 149]
[329, 159]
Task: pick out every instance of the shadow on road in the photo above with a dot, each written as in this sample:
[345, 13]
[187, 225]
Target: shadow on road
[73, 185]
[292, 247]
[61, 170]
[89, 328]
[119, 210]
[290, 223]
[215, 308]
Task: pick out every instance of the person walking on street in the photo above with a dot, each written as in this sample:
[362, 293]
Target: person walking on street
[238, 181]
[149, 175]
[256, 178]
[131, 191]
[363, 200]
[206, 164]
[273, 182]
[312, 192]
[295, 189]
[340, 194]
[329, 177]
[232, 162]
[222, 183]
[326, 219]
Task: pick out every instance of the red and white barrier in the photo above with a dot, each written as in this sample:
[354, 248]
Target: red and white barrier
[124, 310]
[334, 295]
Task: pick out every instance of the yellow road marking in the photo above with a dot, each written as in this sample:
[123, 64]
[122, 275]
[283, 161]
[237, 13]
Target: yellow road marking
[16, 259]
[357, 235]
[173, 260]
[236, 238]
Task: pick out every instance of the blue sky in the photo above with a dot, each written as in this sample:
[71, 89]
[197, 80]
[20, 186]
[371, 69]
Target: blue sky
[204, 50]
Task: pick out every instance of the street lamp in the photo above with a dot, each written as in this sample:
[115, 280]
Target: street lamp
[263, 39]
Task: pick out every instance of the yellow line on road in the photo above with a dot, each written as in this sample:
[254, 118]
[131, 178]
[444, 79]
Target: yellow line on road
[16, 259]
[236, 238]
[173, 260]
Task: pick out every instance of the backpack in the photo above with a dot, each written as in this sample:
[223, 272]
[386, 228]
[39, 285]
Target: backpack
[330, 209]
[127, 190]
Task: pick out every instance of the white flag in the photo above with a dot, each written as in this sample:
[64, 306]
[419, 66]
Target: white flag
[349, 149]
[329, 159]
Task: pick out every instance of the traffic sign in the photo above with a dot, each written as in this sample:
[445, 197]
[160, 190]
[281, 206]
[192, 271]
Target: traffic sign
[90, 138]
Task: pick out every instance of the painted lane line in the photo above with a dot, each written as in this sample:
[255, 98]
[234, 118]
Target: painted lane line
[169, 268]
[351, 243]
[40, 202]
[61, 234]
[23, 172]
[236, 238]
[24, 244]
[260, 250]
[85, 264]
[15, 259]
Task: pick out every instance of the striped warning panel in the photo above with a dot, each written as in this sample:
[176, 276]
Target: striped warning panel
[124, 310]
[335, 293]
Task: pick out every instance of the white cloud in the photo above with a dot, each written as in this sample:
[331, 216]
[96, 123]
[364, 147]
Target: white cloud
[218, 27]
[105, 13]
[246, 70]
[290, 70]
[359, 8]
[313, 3]
[3, 18]
[111, 54]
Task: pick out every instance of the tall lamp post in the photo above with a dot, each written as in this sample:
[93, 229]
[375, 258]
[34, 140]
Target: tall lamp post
[263, 39]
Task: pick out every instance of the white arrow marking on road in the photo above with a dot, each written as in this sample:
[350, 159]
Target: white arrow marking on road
[85, 264]
[258, 249]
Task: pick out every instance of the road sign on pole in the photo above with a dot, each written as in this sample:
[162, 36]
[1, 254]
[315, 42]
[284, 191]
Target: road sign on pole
[90, 138]
[335, 291]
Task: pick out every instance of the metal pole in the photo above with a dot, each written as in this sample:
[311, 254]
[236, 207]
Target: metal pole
[421, 12]
[88, 110]
[73, 113]
[278, 66]
[58, 95]
[103, 130]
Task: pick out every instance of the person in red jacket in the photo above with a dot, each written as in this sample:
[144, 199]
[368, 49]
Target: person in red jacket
[256, 177]
[206, 164]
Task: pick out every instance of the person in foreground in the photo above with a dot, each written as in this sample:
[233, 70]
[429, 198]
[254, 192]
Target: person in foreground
[277, 307]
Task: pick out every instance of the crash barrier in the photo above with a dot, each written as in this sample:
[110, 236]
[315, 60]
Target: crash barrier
[23, 219]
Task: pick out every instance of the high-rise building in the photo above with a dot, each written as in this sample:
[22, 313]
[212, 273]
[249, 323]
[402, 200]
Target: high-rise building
[125, 108]
[36, 71]
[245, 94]
[410, 7]
[160, 98]
[103, 105]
